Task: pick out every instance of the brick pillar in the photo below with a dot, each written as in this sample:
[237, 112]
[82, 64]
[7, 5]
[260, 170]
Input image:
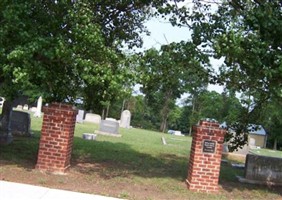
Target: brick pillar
[205, 157]
[56, 138]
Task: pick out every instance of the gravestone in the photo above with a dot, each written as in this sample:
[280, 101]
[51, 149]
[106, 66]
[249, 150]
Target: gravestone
[2, 99]
[125, 119]
[19, 107]
[262, 170]
[79, 116]
[89, 136]
[20, 123]
[93, 118]
[108, 127]
[178, 133]
[38, 107]
[25, 107]
[33, 109]
[111, 119]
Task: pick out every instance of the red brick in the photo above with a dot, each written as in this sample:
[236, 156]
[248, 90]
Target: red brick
[205, 165]
[56, 137]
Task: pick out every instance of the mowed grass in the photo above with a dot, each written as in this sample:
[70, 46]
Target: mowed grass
[138, 160]
[138, 154]
[267, 152]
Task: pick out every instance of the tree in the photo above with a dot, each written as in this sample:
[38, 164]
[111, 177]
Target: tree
[223, 107]
[166, 74]
[51, 60]
[182, 121]
[272, 121]
[64, 49]
[247, 35]
[251, 45]
[174, 117]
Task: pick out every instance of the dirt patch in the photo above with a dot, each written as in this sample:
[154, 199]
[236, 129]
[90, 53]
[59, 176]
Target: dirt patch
[87, 178]
[105, 179]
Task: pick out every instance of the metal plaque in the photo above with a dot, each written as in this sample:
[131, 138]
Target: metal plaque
[209, 146]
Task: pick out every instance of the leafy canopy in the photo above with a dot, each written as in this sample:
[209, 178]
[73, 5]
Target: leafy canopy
[59, 48]
[246, 34]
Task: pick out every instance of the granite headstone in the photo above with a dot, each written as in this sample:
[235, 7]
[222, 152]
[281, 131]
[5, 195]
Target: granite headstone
[125, 119]
[20, 123]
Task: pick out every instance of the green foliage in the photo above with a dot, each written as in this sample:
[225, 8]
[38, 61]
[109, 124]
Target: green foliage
[63, 50]
[223, 107]
[167, 73]
[272, 121]
[247, 36]
[48, 48]
[251, 45]
[143, 115]
[252, 48]
[173, 119]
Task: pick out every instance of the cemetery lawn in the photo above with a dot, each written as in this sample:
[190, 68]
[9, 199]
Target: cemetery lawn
[267, 152]
[134, 166]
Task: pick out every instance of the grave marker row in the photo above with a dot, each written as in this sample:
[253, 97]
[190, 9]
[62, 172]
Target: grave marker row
[96, 119]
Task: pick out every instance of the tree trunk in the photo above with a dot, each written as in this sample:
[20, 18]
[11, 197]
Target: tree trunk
[165, 111]
[191, 117]
[103, 114]
[107, 111]
[5, 123]
[122, 108]
[163, 125]
[275, 144]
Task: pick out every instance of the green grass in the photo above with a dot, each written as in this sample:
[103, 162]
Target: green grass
[137, 151]
[267, 152]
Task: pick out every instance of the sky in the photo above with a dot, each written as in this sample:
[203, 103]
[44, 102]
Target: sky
[163, 32]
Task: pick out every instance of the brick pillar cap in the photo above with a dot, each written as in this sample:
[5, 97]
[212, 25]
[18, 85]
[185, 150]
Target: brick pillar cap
[62, 106]
[209, 123]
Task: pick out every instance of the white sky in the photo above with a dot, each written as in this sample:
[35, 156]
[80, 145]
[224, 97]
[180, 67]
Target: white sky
[163, 33]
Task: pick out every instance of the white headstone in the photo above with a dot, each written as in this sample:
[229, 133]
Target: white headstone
[79, 116]
[111, 119]
[19, 107]
[38, 108]
[178, 133]
[2, 99]
[25, 107]
[125, 119]
[93, 118]
[33, 109]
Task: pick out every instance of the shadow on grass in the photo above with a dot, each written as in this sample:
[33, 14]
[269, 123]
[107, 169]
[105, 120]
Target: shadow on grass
[115, 159]
[22, 151]
[110, 159]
